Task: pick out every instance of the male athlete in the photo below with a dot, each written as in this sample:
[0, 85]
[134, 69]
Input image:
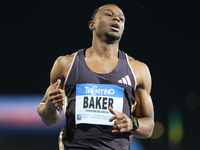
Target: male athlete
[104, 92]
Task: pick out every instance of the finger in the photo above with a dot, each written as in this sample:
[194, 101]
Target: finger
[116, 127]
[112, 118]
[59, 101]
[119, 131]
[115, 113]
[115, 123]
[56, 92]
[112, 111]
[58, 105]
[57, 98]
[115, 131]
[120, 128]
[57, 95]
[57, 84]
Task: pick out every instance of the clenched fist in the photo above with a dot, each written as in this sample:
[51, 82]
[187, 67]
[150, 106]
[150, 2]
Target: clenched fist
[122, 124]
[56, 97]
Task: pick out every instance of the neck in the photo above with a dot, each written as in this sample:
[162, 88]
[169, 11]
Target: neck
[103, 49]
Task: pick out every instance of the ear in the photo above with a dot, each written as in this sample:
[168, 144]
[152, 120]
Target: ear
[91, 25]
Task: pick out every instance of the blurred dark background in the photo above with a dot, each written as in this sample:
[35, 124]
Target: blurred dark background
[162, 34]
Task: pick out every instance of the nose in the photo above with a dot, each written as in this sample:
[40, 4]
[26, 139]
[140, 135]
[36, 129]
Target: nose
[116, 17]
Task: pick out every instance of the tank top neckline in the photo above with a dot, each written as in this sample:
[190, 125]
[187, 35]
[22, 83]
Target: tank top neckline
[115, 69]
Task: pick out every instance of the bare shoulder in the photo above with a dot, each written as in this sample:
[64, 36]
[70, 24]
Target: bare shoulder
[61, 67]
[136, 64]
[64, 61]
[141, 72]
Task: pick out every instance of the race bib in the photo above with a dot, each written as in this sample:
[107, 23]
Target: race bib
[93, 101]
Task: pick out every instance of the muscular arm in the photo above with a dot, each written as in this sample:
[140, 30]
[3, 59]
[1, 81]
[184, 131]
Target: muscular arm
[144, 110]
[50, 107]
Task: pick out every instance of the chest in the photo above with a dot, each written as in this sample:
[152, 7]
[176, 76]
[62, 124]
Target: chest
[102, 66]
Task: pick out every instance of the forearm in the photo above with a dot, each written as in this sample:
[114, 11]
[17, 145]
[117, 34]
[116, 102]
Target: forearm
[49, 115]
[146, 126]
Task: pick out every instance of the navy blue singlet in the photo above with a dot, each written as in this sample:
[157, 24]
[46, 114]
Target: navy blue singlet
[87, 136]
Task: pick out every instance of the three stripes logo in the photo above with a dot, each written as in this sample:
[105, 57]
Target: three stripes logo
[125, 80]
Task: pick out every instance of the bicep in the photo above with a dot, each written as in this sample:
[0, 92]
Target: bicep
[144, 104]
[59, 70]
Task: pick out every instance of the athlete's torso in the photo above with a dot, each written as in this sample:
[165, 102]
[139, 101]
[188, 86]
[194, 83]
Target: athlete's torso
[97, 136]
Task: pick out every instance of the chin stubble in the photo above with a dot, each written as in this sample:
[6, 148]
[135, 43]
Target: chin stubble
[112, 36]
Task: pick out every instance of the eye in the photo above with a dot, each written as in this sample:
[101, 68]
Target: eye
[108, 14]
[121, 19]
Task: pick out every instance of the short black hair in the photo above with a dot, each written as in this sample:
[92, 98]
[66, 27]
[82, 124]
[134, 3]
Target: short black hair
[95, 12]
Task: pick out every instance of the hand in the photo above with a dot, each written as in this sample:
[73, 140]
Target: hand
[56, 97]
[122, 124]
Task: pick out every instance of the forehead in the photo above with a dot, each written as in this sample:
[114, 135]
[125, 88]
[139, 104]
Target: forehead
[112, 8]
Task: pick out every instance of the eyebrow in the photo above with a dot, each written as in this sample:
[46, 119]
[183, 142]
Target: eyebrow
[113, 12]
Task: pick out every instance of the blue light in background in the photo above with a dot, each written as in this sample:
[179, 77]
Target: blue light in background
[18, 115]
[136, 144]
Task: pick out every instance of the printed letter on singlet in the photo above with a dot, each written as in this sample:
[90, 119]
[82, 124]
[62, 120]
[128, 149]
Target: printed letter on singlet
[93, 101]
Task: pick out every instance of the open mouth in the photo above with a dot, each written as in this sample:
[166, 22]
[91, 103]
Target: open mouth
[114, 27]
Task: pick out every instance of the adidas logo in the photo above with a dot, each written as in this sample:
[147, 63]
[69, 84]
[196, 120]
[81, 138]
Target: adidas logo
[125, 80]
